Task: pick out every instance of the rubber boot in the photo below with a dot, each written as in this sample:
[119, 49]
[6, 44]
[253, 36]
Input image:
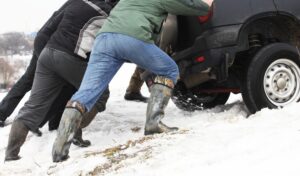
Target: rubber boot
[2, 120]
[69, 124]
[17, 137]
[37, 132]
[133, 91]
[135, 96]
[87, 119]
[54, 123]
[159, 98]
[2, 123]
[78, 141]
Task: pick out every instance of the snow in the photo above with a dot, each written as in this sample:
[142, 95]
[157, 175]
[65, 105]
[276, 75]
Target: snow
[219, 141]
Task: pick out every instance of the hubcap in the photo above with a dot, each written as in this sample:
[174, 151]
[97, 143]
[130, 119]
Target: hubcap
[281, 82]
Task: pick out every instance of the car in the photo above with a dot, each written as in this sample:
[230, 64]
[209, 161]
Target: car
[249, 47]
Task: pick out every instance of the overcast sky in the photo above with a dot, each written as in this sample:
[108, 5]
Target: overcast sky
[26, 15]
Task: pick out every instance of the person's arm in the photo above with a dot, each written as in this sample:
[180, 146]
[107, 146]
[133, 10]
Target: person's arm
[187, 7]
[66, 4]
[53, 22]
[51, 25]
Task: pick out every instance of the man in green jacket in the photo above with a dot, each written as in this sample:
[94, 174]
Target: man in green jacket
[128, 35]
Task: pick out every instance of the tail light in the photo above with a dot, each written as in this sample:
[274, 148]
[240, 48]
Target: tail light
[200, 59]
[204, 19]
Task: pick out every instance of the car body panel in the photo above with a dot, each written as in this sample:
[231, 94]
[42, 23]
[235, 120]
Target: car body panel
[219, 37]
[291, 7]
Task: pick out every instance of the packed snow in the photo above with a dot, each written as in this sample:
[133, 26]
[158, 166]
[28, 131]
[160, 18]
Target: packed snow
[224, 140]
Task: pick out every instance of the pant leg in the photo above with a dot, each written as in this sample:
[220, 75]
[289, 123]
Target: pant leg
[24, 84]
[56, 110]
[72, 70]
[102, 66]
[146, 55]
[15, 95]
[69, 67]
[109, 53]
[46, 87]
[101, 102]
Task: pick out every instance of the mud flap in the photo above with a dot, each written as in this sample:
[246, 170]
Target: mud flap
[222, 71]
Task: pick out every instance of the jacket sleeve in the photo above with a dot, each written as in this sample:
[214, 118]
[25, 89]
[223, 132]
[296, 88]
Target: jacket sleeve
[57, 15]
[186, 7]
[66, 4]
[50, 26]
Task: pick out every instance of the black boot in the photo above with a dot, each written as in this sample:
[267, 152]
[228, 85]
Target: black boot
[135, 96]
[53, 124]
[78, 141]
[87, 119]
[17, 137]
[2, 123]
[133, 91]
[37, 132]
[159, 98]
[69, 124]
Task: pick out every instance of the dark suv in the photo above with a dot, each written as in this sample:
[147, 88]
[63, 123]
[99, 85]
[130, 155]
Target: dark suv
[242, 46]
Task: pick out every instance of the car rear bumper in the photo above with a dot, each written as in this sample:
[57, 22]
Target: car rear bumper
[218, 46]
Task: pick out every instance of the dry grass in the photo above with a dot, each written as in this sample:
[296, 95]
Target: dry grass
[115, 155]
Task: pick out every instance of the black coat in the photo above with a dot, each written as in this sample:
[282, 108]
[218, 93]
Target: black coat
[48, 29]
[79, 24]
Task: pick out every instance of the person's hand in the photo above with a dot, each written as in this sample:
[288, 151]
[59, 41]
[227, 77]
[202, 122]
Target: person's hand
[209, 2]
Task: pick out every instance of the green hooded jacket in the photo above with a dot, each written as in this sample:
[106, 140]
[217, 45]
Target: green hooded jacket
[142, 19]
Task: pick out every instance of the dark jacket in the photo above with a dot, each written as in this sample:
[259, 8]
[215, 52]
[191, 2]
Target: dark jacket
[77, 29]
[48, 29]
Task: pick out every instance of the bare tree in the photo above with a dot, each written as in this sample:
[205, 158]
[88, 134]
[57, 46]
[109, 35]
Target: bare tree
[2, 46]
[14, 43]
[7, 71]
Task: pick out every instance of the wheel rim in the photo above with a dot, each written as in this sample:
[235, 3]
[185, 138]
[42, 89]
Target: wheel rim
[281, 82]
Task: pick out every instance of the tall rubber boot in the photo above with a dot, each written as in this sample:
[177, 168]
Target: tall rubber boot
[17, 137]
[159, 98]
[78, 141]
[2, 123]
[133, 91]
[87, 119]
[100, 106]
[69, 124]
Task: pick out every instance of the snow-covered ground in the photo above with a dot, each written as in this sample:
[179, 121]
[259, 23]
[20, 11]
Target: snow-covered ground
[219, 141]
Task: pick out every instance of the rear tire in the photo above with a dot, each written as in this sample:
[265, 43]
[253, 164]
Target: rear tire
[190, 100]
[272, 78]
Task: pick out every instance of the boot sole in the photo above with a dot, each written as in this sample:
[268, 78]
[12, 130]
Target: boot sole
[59, 158]
[159, 131]
[80, 144]
[12, 158]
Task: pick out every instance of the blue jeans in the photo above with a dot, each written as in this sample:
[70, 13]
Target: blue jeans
[109, 52]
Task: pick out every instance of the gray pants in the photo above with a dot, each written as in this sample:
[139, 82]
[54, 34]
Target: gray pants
[54, 70]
